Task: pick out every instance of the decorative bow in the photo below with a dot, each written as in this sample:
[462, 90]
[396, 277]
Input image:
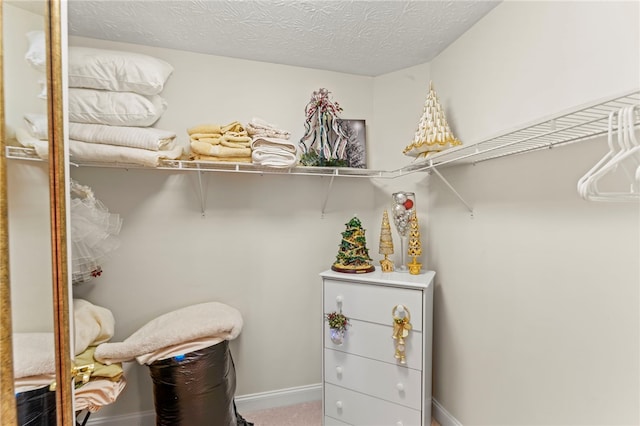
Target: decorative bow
[401, 327]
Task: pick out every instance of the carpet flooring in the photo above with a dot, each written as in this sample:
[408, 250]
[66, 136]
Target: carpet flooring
[304, 414]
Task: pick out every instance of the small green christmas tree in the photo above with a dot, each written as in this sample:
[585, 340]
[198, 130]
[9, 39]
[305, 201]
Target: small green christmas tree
[353, 255]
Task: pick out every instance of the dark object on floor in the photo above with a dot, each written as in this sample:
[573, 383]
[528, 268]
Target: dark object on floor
[36, 407]
[196, 388]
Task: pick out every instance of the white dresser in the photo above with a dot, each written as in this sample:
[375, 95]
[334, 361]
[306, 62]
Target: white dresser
[363, 382]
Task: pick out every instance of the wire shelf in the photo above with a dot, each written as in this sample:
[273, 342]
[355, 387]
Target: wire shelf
[577, 125]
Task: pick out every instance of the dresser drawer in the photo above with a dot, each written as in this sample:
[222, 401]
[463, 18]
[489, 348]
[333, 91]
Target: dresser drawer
[373, 303]
[390, 382]
[362, 410]
[376, 341]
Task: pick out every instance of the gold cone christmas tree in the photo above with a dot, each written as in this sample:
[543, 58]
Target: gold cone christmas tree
[433, 133]
[415, 246]
[353, 255]
[386, 244]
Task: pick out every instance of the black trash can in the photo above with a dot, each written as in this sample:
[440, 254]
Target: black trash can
[196, 389]
[36, 407]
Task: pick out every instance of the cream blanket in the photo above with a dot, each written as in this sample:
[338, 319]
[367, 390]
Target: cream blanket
[212, 319]
[204, 148]
[92, 152]
[33, 354]
[199, 157]
[92, 325]
[133, 137]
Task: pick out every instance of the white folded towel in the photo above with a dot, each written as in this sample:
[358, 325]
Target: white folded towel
[37, 124]
[33, 354]
[92, 324]
[276, 143]
[93, 152]
[212, 319]
[134, 137]
[273, 158]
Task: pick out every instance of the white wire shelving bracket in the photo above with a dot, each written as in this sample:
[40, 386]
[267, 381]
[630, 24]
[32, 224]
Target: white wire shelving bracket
[578, 124]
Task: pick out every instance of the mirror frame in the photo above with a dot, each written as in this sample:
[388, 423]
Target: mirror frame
[8, 413]
[58, 167]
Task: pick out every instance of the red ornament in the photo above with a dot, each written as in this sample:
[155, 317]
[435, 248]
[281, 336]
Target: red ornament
[408, 204]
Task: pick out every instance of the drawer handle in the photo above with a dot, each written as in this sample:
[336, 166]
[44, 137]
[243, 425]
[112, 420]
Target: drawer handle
[339, 405]
[400, 387]
[339, 371]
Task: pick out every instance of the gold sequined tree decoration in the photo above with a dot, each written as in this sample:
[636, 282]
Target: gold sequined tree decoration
[415, 246]
[386, 244]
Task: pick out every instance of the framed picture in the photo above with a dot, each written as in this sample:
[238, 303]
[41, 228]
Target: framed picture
[355, 130]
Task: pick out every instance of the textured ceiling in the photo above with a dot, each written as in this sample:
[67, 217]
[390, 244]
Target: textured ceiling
[357, 37]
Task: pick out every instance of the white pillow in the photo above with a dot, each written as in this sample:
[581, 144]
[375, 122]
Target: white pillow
[36, 55]
[114, 108]
[116, 70]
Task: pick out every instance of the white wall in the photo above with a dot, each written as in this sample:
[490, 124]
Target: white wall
[27, 183]
[537, 295]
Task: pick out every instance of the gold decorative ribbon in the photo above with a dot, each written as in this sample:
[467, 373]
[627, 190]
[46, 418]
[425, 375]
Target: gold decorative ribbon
[401, 327]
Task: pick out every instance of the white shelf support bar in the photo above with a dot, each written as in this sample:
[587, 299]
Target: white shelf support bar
[201, 194]
[326, 197]
[446, 182]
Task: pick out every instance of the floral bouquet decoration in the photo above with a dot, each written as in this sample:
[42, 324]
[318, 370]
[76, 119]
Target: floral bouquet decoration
[338, 324]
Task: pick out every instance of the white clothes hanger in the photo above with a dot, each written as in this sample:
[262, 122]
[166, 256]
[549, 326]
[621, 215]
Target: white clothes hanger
[630, 151]
[612, 151]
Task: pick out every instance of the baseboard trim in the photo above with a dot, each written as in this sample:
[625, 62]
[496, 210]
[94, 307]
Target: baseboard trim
[441, 415]
[244, 404]
[261, 401]
[278, 398]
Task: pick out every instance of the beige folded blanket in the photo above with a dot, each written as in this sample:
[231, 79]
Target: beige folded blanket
[211, 319]
[228, 144]
[134, 137]
[94, 152]
[204, 148]
[199, 157]
[92, 324]
[205, 128]
[234, 126]
[213, 139]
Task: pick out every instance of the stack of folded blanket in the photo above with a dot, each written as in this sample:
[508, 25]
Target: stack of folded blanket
[114, 98]
[212, 142]
[97, 385]
[270, 146]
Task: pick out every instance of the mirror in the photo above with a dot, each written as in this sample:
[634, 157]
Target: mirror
[35, 323]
